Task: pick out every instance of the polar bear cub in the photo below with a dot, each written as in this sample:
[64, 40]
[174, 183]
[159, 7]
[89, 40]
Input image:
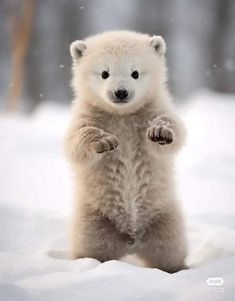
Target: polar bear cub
[121, 143]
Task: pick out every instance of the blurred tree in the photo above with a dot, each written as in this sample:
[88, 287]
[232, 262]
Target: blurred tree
[20, 31]
[48, 65]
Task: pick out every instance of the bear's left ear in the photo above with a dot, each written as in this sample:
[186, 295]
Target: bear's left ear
[159, 45]
[77, 49]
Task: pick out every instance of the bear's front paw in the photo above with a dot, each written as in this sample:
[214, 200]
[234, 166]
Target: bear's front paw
[160, 133]
[106, 143]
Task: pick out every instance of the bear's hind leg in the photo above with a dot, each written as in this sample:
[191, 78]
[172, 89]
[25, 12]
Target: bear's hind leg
[164, 246]
[94, 236]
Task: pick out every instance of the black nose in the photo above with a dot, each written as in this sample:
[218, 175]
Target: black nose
[121, 94]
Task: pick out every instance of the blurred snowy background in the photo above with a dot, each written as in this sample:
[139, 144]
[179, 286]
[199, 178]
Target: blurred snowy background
[35, 37]
[35, 182]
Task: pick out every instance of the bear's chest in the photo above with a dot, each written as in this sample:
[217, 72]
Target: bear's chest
[131, 157]
[131, 132]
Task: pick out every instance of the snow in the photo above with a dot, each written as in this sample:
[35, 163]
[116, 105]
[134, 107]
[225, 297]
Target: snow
[36, 201]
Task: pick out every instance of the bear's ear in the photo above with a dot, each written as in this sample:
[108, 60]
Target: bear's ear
[77, 49]
[159, 45]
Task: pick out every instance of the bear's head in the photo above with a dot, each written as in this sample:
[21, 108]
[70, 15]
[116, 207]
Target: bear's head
[119, 71]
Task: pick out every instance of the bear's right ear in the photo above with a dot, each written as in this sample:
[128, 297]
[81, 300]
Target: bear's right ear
[77, 49]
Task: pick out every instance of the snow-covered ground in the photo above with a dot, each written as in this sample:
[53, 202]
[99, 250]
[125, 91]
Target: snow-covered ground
[35, 203]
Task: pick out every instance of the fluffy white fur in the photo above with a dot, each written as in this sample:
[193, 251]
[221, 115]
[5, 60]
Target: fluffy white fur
[120, 54]
[122, 153]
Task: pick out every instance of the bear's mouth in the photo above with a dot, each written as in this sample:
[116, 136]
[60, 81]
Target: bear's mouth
[116, 100]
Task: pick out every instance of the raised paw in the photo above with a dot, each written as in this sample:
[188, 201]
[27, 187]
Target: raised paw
[106, 143]
[161, 134]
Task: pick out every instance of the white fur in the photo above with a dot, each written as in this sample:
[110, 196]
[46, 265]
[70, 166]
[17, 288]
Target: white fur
[122, 153]
[119, 54]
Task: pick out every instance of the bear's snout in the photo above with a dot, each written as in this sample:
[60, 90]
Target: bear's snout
[121, 94]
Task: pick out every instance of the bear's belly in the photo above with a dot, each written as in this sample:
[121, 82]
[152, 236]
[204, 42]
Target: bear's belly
[127, 185]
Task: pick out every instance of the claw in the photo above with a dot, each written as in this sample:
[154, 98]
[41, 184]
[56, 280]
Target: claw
[160, 137]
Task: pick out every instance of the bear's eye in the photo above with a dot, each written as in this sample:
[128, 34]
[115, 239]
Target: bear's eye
[105, 74]
[135, 74]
